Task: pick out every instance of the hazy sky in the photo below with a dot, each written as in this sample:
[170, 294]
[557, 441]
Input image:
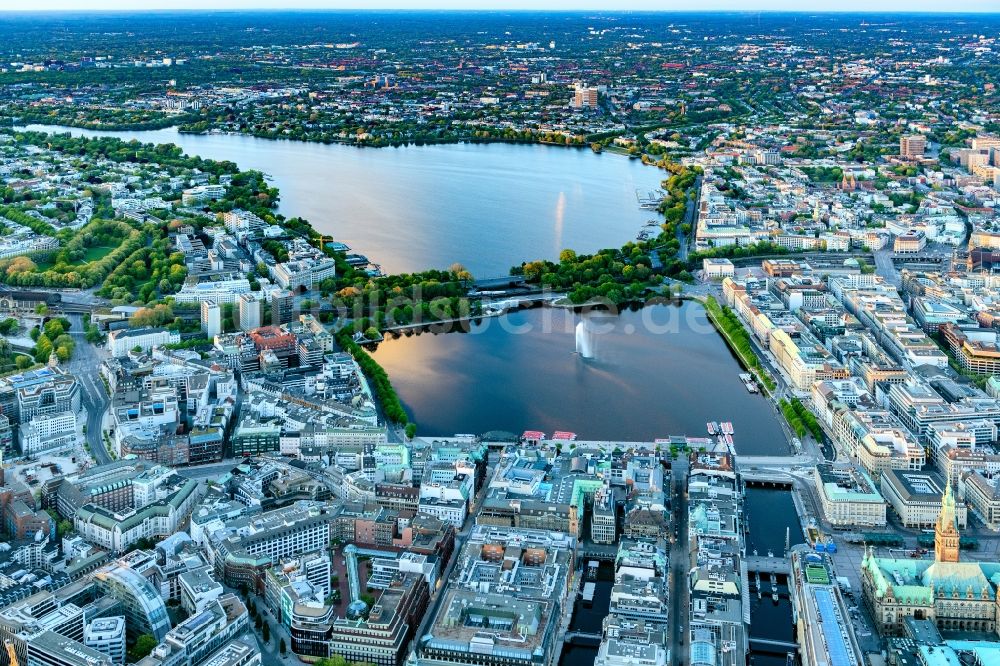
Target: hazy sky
[795, 5]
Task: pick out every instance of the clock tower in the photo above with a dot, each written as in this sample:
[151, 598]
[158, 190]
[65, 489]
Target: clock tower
[946, 535]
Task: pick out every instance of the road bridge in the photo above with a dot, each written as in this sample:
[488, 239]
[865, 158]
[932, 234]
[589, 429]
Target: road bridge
[773, 646]
[500, 283]
[768, 565]
[767, 478]
[745, 462]
[582, 638]
[593, 551]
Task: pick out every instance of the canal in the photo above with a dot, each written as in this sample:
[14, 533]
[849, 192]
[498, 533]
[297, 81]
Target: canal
[770, 515]
[659, 371]
[589, 617]
[487, 206]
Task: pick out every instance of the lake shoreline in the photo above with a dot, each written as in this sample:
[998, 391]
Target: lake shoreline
[488, 205]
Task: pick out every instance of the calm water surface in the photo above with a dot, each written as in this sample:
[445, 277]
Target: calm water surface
[656, 372]
[487, 206]
[770, 512]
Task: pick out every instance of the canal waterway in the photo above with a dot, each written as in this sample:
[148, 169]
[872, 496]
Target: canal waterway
[588, 618]
[770, 513]
[659, 371]
[486, 206]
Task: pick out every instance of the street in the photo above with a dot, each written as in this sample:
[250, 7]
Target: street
[885, 268]
[679, 561]
[93, 396]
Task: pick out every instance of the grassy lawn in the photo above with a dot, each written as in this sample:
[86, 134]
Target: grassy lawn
[92, 254]
[43, 265]
[96, 253]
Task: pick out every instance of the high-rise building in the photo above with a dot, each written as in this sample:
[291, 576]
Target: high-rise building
[912, 145]
[585, 97]
[282, 307]
[251, 312]
[211, 319]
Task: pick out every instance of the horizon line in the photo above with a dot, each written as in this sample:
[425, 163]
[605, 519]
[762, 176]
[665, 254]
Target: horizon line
[490, 10]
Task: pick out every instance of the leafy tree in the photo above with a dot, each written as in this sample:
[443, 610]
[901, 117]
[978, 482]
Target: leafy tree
[144, 644]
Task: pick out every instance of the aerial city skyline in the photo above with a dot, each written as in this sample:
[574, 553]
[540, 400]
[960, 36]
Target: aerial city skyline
[563, 337]
[520, 5]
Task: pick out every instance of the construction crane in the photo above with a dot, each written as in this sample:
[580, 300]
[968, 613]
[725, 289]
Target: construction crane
[11, 654]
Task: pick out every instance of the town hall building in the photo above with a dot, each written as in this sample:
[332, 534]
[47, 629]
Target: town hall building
[957, 596]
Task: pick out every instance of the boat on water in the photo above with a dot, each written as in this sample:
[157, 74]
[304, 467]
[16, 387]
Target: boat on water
[727, 428]
[729, 439]
[749, 382]
[711, 428]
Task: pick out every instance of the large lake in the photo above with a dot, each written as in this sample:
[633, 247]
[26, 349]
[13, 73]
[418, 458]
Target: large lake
[487, 206]
[656, 372]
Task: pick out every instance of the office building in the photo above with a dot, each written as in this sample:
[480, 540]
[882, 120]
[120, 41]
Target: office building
[382, 638]
[122, 341]
[202, 635]
[977, 350]
[824, 631]
[52, 649]
[849, 497]
[50, 432]
[716, 268]
[983, 494]
[514, 581]
[282, 307]
[198, 589]
[912, 145]
[916, 497]
[251, 312]
[107, 636]
[585, 97]
[211, 319]
[145, 612]
[603, 521]
[218, 290]
[246, 548]
[238, 652]
[628, 642]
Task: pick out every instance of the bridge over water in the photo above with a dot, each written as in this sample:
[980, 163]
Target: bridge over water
[779, 462]
[773, 646]
[501, 282]
[768, 565]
